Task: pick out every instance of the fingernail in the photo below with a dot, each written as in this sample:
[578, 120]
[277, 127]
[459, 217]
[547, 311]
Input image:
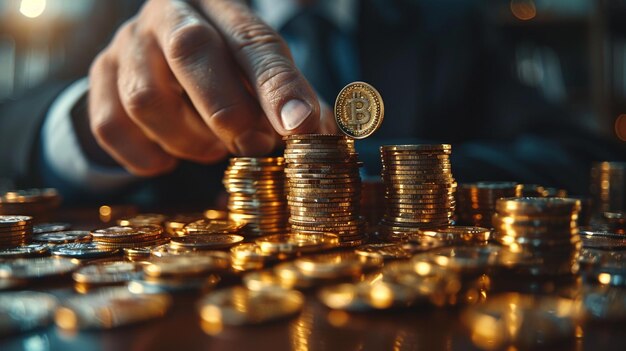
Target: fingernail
[254, 143]
[293, 113]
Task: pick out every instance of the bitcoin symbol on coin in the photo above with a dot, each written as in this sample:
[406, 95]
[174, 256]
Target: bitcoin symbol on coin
[359, 111]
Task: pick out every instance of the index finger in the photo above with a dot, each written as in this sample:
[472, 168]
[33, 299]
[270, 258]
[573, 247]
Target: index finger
[286, 97]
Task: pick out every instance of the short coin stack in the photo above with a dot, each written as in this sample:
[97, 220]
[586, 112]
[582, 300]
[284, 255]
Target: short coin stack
[419, 187]
[257, 194]
[15, 230]
[39, 202]
[541, 232]
[476, 202]
[120, 237]
[324, 186]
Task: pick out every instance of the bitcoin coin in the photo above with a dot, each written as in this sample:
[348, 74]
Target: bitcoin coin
[359, 110]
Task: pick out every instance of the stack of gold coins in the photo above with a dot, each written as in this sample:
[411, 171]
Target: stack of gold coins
[608, 186]
[419, 187]
[121, 237]
[32, 202]
[257, 194]
[542, 232]
[476, 202]
[15, 230]
[324, 186]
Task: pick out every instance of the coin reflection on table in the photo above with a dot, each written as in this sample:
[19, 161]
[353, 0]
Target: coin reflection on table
[241, 306]
[523, 321]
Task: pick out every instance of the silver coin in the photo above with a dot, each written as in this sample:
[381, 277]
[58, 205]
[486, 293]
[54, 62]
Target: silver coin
[50, 227]
[36, 268]
[32, 250]
[25, 310]
[108, 273]
[83, 250]
[63, 237]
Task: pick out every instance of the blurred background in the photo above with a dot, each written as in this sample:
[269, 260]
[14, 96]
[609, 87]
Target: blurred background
[572, 51]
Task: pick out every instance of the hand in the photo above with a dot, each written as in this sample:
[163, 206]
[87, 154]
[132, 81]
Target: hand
[197, 83]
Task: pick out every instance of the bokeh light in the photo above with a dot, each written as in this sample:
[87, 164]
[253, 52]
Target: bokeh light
[524, 10]
[32, 8]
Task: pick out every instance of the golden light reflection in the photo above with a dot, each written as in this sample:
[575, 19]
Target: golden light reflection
[381, 296]
[524, 10]
[604, 278]
[211, 320]
[32, 8]
[105, 213]
[338, 318]
[620, 127]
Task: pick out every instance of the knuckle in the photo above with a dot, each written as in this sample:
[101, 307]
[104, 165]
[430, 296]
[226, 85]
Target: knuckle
[101, 63]
[275, 73]
[255, 35]
[106, 128]
[139, 101]
[185, 149]
[187, 41]
[152, 170]
[222, 118]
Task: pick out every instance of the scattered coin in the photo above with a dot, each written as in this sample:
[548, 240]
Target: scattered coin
[109, 308]
[50, 227]
[63, 237]
[524, 321]
[240, 306]
[24, 311]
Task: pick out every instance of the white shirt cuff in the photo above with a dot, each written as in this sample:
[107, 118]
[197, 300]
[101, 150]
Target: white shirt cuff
[62, 151]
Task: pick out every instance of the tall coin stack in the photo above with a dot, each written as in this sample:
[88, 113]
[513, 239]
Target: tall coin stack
[324, 186]
[257, 194]
[540, 234]
[419, 187]
[476, 202]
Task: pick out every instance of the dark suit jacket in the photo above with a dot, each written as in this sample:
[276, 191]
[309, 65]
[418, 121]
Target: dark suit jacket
[444, 76]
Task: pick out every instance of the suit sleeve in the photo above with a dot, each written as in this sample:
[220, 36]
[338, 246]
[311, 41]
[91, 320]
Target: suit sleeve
[20, 126]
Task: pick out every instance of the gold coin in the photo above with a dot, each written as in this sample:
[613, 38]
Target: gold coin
[525, 321]
[207, 241]
[366, 296]
[189, 264]
[297, 242]
[110, 308]
[241, 306]
[359, 110]
[337, 264]
[107, 272]
[208, 226]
